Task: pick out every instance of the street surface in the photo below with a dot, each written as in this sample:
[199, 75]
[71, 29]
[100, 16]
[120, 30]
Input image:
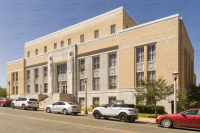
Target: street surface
[30, 121]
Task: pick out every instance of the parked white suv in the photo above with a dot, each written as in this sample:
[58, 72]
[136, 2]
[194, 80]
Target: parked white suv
[118, 110]
[25, 102]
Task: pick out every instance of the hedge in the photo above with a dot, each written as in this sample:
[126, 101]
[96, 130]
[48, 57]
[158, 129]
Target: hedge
[150, 109]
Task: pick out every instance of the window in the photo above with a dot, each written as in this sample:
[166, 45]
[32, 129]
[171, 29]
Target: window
[36, 52]
[112, 29]
[82, 38]
[151, 75]
[140, 54]
[82, 101]
[82, 85]
[140, 76]
[113, 60]
[13, 76]
[117, 105]
[55, 45]
[191, 112]
[151, 53]
[62, 69]
[45, 71]
[36, 73]
[69, 41]
[28, 74]
[128, 105]
[113, 82]
[28, 54]
[95, 101]
[96, 34]
[45, 88]
[13, 90]
[82, 65]
[45, 49]
[36, 88]
[96, 62]
[16, 90]
[111, 99]
[28, 88]
[16, 76]
[62, 43]
[96, 83]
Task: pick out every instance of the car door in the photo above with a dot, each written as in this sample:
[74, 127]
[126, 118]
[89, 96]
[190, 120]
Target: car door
[60, 106]
[106, 110]
[54, 108]
[16, 103]
[115, 109]
[188, 118]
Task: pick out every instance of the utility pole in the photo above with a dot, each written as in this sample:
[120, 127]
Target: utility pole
[110, 4]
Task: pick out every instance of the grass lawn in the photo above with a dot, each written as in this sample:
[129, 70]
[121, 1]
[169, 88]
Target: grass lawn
[89, 110]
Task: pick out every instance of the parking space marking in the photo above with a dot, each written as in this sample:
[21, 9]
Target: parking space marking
[69, 123]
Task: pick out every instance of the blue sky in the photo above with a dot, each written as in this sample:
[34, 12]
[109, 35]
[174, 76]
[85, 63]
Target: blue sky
[22, 21]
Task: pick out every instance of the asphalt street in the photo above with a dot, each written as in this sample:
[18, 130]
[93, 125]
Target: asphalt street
[30, 121]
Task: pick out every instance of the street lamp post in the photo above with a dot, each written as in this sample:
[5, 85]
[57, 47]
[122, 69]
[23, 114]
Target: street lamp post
[175, 75]
[9, 88]
[86, 112]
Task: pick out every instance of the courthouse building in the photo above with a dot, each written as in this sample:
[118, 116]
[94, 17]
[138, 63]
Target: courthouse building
[113, 51]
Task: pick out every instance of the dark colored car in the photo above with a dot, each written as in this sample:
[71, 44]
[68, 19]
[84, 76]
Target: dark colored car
[5, 101]
[188, 118]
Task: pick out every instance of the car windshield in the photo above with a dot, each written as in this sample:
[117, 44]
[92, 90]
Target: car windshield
[8, 99]
[33, 100]
[70, 103]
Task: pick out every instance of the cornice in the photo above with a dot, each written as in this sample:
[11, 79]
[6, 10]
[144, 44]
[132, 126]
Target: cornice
[79, 25]
[8, 63]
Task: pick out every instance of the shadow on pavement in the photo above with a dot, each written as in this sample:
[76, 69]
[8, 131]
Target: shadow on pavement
[184, 129]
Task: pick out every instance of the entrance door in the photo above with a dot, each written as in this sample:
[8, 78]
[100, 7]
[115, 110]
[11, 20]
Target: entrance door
[64, 89]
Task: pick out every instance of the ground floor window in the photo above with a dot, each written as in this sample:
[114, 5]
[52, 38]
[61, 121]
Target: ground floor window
[140, 76]
[95, 101]
[36, 88]
[82, 85]
[113, 82]
[82, 101]
[45, 88]
[13, 90]
[16, 90]
[96, 83]
[28, 88]
[151, 75]
[111, 99]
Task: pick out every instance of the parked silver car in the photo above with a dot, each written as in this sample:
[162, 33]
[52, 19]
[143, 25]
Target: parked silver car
[25, 102]
[64, 107]
[118, 110]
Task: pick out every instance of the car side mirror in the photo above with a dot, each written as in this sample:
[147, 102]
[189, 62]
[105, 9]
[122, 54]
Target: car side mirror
[182, 114]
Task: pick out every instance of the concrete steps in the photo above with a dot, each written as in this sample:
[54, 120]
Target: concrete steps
[47, 101]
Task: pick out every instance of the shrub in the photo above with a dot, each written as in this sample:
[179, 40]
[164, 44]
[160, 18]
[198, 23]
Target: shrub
[3, 92]
[150, 109]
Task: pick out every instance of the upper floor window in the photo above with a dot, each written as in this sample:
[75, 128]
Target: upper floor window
[62, 43]
[112, 29]
[82, 85]
[13, 76]
[16, 76]
[62, 69]
[96, 61]
[82, 65]
[55, 45]
[36, 52]
[96, 34]
[96, 83]
[151, 76]
[140, 54]
[151, 53]
[28, 54]
[36, 73]
[45, 72]
[28, 74]
[140, 76]
[69, 41]
[45, 49]
[113, 60]
[113, 82]
[81, 38]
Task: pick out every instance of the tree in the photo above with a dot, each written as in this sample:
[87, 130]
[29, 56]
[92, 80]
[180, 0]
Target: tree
[183, 101]
[3, 92]
[194, 93]
[153, 92]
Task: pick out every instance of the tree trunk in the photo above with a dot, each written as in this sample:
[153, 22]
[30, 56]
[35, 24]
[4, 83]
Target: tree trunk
[155, 110]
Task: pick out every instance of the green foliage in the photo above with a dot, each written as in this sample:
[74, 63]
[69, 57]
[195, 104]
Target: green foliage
[153, 92]
[194, 93]
[3, 92]
[184, 101]
[150, 109]
[93, 106]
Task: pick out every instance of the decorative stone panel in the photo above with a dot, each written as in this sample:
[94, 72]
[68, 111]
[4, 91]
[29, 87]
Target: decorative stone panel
[13, 83]
[151, 66]
[82, 75]
[36, 81]
[45, 80]
[16, 83]
[113, 71]
[140, 67]
[28, 81]
[96, 73]
[62, 77]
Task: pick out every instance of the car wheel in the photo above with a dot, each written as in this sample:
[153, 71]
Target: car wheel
[12, 106]
[23, 107]
[2, 105]
[35, 108]
[97, 115]
[123, 117]
[131, 120]
[75, 113]
[48, 110]
[65, 112]
[166, 123]
[106, 118]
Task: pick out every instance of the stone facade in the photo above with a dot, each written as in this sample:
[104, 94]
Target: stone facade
[110, 61]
